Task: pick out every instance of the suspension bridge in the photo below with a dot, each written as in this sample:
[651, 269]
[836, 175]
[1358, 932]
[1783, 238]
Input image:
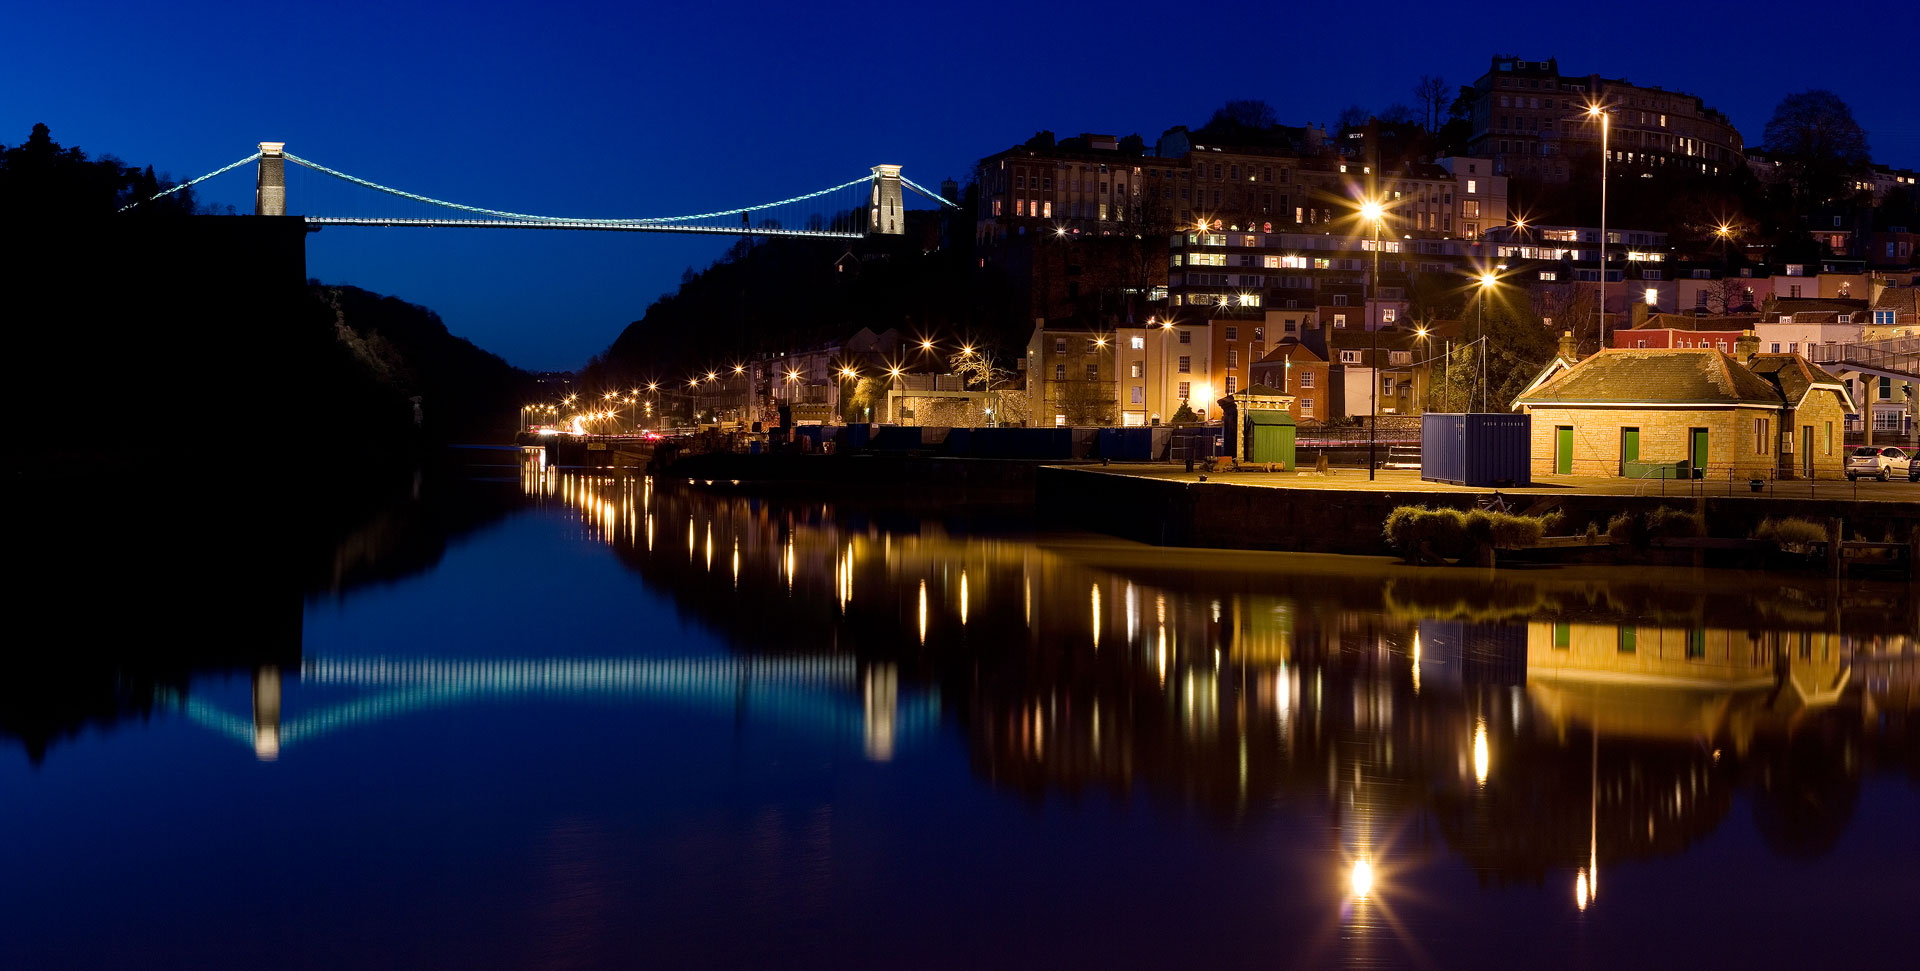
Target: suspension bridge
[870, 205]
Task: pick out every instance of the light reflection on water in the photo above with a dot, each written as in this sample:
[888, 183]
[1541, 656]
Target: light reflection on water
[1383, 729]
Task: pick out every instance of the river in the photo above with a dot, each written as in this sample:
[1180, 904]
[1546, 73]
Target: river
[555, 719]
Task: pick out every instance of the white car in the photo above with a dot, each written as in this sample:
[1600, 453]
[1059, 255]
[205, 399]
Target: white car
[1879, 461]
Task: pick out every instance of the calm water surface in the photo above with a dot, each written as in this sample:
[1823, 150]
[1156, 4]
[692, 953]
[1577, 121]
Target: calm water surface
[577, 722]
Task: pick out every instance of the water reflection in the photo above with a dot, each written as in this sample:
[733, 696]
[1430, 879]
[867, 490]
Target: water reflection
[1539, 723]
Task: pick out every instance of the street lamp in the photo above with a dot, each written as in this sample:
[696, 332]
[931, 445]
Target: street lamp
[1372, 211]
[1486, 281]
[1594, 111]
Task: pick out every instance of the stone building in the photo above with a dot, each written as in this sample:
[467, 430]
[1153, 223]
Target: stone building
[1663, 412]
[1531, 120]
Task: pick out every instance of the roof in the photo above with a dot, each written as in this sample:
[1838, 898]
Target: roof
[1655, 376]
[1794, 376]
[1805, 305]
[1290, 350]
[1899, 300]
[1732, 322]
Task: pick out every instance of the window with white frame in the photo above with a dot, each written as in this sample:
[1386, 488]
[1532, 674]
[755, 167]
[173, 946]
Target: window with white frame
[1185, 365]
[1349, 357]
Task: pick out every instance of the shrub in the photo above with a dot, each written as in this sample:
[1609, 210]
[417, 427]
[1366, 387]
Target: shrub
[1635, 529]
[1667, 521]
[1790, 533]
[1453, 534]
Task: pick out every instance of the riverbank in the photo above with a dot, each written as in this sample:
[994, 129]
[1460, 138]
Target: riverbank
[1341, 513]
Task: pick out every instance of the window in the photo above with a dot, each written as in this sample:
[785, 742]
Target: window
[1339, 299]
[1549, 275]
[1470, 209]
[1760, 436]
[1776, 347]
[1349, 357]
[1829, 438]
[1653, 296]
[1339, 320]
[1233, 334]
[1386, 315]
[1139, 395]
[1093, 372]
[1399, 357]
[1306, 379]
[1231, 382]
[1185, 390]
[1059, 345]
[1059, 372]
[1046, 209]
[1186, 365]
[1186, 337]
[1883, 316]
[1472, 186]
[1306, 407]
[1137, 343]
[1059, 421]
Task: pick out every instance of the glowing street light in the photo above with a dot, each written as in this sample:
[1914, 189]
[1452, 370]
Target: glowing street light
[1362, 878]
[739, 369]
[1594, 111]
[1375, 213]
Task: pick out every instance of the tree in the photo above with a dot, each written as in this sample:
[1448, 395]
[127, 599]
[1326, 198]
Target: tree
[1397, 114]
[1086, 402]
[1814, 133]
[1245, 113]
[1351, 117]
[1431, 94]
[39, 179]
[1184, 415]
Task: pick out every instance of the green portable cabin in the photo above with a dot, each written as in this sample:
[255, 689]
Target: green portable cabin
[1261, 419]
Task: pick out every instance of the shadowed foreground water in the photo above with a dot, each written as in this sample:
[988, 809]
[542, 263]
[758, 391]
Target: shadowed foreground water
[595, 722]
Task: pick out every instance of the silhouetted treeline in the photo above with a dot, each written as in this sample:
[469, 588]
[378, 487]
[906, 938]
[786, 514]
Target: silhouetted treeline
[780, 294]
[39, 179]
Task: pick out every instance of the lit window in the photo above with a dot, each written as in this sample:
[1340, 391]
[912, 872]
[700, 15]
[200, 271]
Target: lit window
[1653, 296]
[1137, 343]
[1472, 186]
[1386, 315]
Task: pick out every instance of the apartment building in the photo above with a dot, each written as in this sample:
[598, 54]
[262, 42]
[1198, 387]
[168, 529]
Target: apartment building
[1531, 120]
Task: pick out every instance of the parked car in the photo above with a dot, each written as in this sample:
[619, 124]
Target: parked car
[1879, 462]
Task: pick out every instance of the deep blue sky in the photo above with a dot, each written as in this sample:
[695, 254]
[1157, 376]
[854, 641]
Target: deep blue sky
[617, 109]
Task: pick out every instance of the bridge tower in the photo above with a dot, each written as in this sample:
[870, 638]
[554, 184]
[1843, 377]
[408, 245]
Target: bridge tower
[266, 713]
[270, 185]
[889, 211]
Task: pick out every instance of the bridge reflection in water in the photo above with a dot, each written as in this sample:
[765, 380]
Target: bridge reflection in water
[1543, 725]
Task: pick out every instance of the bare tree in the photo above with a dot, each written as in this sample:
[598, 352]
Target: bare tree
[1351, 117]
[1086, 402]
[1431, 93]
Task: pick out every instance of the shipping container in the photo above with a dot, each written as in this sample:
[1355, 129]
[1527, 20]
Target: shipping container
[1477, 449]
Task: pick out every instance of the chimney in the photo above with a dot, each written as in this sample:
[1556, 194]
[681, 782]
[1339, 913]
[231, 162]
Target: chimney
[1569, 348]
[1746, 347]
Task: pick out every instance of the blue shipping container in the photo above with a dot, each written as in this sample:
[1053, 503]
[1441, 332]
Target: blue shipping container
[1479, 449]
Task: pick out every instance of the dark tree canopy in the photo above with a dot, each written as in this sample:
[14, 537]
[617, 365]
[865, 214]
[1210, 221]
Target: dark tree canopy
[1245, 113]
[39, 179]
[1815, 134]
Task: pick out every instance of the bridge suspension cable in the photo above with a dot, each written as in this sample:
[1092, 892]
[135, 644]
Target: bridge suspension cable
[529, 217]
[929, 193]
[167, 192]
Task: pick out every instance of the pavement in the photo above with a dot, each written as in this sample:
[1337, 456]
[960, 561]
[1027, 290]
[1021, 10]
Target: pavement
[1408, 480]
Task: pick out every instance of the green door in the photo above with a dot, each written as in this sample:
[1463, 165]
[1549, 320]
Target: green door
[1697, 455]
[1270, 437]
[1563, 450]
[1806, 450]
[1629, 449]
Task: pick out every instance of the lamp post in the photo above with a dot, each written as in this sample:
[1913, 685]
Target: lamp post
[1486, 281]
[1426, 352]
[1594, 111]
[1372, 212]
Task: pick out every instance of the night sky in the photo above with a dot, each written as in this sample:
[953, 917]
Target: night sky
[618, 109]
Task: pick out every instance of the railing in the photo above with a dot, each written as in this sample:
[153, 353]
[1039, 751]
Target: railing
[1897, 354]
